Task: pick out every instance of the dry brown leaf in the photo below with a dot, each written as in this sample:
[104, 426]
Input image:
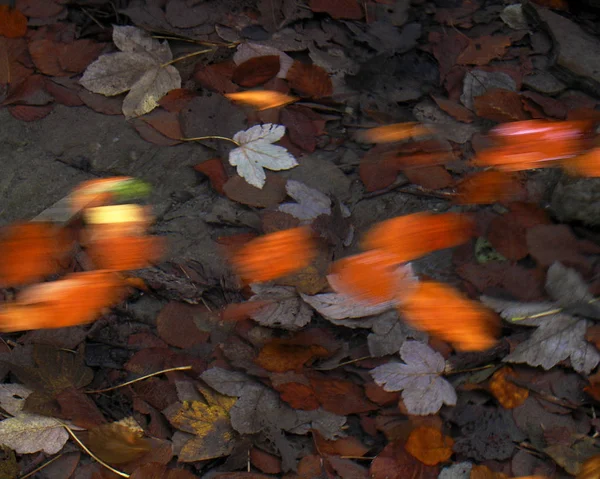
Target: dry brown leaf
[309, 80]
[118, 442]
[256, 71]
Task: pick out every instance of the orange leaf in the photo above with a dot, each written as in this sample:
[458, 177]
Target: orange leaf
[392, 133]
[279, 357]
[508, 394]
[274, 255]
[125, 252]
[500, 105]
[484, 472]
[411, 236]
[13, 23]
[531, 131]
[487, 187]
[444, 312]
[30, 251]
[429, 446]
[256, 70]
[369, 277]
[118, 442]
[78, 298]
[590, 469]
[262, 99]
[514, 158]
[587, 164]
[214, 169]
[309, 80]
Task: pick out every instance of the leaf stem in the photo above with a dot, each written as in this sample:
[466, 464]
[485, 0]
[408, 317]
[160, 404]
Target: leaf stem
[211, 137]
[91, 454]
[112, 388]
[537, 315]
[189, 55]
[197, 42]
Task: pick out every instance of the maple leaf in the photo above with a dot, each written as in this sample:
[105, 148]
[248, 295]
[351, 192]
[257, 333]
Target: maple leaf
[310, 203]
[141, 67]
[424, 391]
[256, 151]
[209, 421]
[561, 324]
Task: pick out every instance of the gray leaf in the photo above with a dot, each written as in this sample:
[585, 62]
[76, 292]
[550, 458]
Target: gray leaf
[513, 310]
[424, 391]
[338, 306]
[566, 286]
[230, 383]
[389, 333]
[310, 203]
[288, 311]
[149, 89]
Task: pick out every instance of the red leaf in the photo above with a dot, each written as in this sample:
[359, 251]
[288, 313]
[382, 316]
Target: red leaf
[151, 134]
[177, 99]
[339, 396]
[256, 70]
[508, 237]
[455, 109]
[395, 463]
[303, 126]
[75, 57]
[176, 326]
[264, 461]
[64, 90]
[431, 177]
[165, 122]
[480, 51]
[212, 78]
[29, 113]
[338, 9]
[13, 23]
[500, 105]
[309, 80]
[107, 105]
[215, 171]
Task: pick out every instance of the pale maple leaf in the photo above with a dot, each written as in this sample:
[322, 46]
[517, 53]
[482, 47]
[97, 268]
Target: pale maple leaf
[256, 151]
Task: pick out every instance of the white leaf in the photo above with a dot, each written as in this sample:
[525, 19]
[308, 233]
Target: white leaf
[149, 89]
[139, 67]
[29, 433]
[256, 152]
[338, 306]
[424, 391]
[246, 51]
[310, 203]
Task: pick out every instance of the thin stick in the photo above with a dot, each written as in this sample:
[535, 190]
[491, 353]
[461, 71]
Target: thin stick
[197, 42]
[460, 371]
[38, 469]
[91, 454]
[210, 137]
[352, 361]
[179, 368]
[189, 55]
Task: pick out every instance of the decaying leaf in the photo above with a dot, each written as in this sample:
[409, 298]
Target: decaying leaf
[559, 335]
[141, 67]
[256, 151]
[274, 255]
[118, 442]
[261, 99]
[209, 421]
[424, 391]
[429, 445]
[508, 394]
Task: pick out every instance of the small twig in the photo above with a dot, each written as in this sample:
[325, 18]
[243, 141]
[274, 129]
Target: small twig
[211, 137]
[352, 361]
[91, 454]
[550, 312]
[197, 42]
[93, 19]
[133, 381]
[189, 55]
[38, 469]
[471, 370]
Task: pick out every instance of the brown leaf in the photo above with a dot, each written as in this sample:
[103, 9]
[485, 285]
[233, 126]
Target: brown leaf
[29, 113]
[508, 237]
[64, 90]
[118, 442]
[338, 9]
[455, 109]
[339, 396]
[429, 446]
[303, 126]
[176, 100]
[280, 356]
[272, 193]
[13, 23]
[79, 408]
[500, 105]
[165, 122]
[431, 177]
[395, 463]
[151, 134]
[176, 326]
[264, 461]
[13, 71]
[75, 57]
[345, 446]
[44, 53]
[107, 105]
[256, 71]
[480, 51]
[212, 78]
[34, 8]
[298, 395]
[29, 92]
[309, 80]
[214, 169]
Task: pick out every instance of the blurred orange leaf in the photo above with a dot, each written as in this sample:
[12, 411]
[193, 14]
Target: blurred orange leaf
[77, 299]
[261, 99]
[369, 277]
[514, 158]
[94, 192]
[590, 468]
[125, 252]
[13, 23]
[429, 446]
[508, 394]
[118, 442]
[411, 236]
[487, 187]
[30, 251]
[392, 133]
[274, 255]
[442, 311]
[587, 164]
[309, 80]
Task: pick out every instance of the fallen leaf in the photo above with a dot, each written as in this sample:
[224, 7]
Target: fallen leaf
[310, 203]
[31, 251]
[13, 23]
[304, 126]
[500, 105]
[256, 71]
[444, 312]
[338, 9]
[256, 151]
[410, 236]
[280, 356]
[176, 326]
[262, 99]
[270, 195]
[430, 177]
[176, 100]
[264, 461]
[339, 307]
[29, 112]
[77, 299]
[118, 442]
[345, 446]
[140, 68]
[508, 394]
[208, 419]
[339, 396]
[274, 255]
[424, 391]
[480, 51]
[309, 80]
[392, 133]
[214, 169]
[247, 51]
[429, 446]
[395, 463]
[285, 309]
